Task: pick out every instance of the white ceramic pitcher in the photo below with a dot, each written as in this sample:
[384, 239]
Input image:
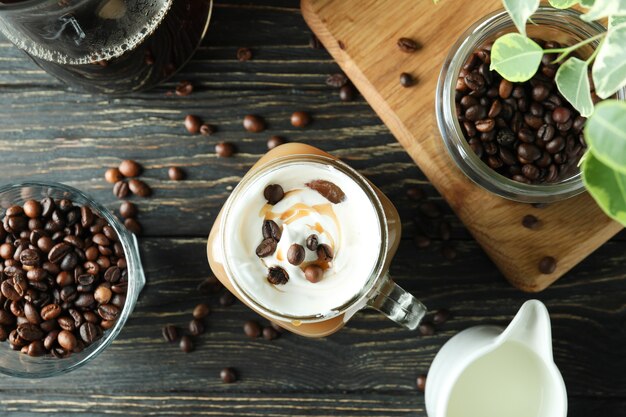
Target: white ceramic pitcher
[485, 371]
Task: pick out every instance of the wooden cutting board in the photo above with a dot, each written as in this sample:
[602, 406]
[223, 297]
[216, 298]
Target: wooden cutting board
[361, 35]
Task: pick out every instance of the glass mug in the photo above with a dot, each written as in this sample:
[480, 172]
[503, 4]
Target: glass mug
[108, 46]
[370, 286]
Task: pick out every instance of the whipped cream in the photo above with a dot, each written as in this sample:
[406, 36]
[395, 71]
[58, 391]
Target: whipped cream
[351, 228]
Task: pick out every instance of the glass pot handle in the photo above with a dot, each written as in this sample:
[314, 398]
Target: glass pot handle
[397, 304]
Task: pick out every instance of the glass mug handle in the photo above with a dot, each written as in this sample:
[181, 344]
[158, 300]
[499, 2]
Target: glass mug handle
[397, 304]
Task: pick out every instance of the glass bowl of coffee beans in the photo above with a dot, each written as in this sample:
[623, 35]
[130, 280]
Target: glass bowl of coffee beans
[70, 275]
[521, 141]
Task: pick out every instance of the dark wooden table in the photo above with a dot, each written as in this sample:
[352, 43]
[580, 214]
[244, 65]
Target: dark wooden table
[367, 369]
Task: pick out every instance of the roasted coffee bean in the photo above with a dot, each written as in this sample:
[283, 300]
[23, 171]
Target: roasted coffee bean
[120, 288]
[347, 93]
[170, 333]
[6, 319]
[530, 222]
[271, 230]
[495, 109]
[468, 101]
[201, 311]
[133, 226]
[31, 313]
[426, 329]
[90, 332]
[226, 299]
[196, 327]
[277, 276]
[296, 254]
[313, 273]
[474, 81]
[130, 168]
[300, 119]
[408, 45]
[312, 242]
[561, 114]
[228, 375]
[139, 188]
[324, 252]
[108, 311]
[186, 344]
[529, 152]
[505, 88]
[32, 209]
[9, 290]
[30, 332]
[269, 333]
[252, 329]
[176, 174]
[192, 123]
[547, 265]
[66, 340]
[224, 149]
[475, 113]
[421, 383]
[184, 88]
[470, 128]
[244, 54]
[121, 189]
[485, 125]
[207, 129]
[30, 257]
[275, 141]
[253, 123]
[336, 80]
[47, 206]
[530, 171]
[406, 79]
[546, 132]
[441, 316]
[266, 247]
[69, 261]
[112, 274]
[273, 193]
[579, 123]
[555, 145]
[50, 339]
[66, 323]
[102, 294]
[540, 92]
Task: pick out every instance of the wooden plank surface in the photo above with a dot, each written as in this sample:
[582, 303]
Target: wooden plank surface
[367, 369]
[361, 36]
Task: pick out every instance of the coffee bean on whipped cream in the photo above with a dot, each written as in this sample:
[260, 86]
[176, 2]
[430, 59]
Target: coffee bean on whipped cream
[273, 193]
[324, 253]
[295, 254]
[330, 191]
[277, 276]
[271, 230]
[313, 273]
[312, 242]
[266, 247]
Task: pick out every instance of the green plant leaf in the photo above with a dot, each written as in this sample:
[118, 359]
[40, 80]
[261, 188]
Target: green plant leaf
[606, 186]
[616, 20]
[573, 82]
[520, 11]
[587, 3]
[605, 8]
[605, 133]
[609, 69]
[515, 57]
[562, 4]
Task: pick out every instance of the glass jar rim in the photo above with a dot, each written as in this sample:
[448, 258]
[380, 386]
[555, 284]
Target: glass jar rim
[135, 283]
[362, 182]
[458, 147]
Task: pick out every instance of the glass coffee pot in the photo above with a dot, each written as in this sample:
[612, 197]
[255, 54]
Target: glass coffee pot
[108, 46]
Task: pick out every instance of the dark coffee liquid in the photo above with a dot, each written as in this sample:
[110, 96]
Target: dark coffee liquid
[155, 59]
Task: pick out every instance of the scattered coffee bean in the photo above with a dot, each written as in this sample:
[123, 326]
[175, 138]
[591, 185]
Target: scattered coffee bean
[346, 93]
[271, 230]
[408, 45]
[329, 190]
[170, 333]
[252, 329]
[224, 149]
[273, 193]
[253, 123]
[201, 311]
[296, 254]
[139, 188]
[130, 168]
[313, 273]
[324, 253]
[244, 54]
[113, 175]
[269, 333]
[186, 344]
[121, 189]
[441, 316]
[274, 141]
[430, 210]
[300, 119]
[228, 375]
[421, 383]
[133, 226]
[312, 242]
[336, 80]
[415, 193]
[196, 327]
[207, 129]
[530, 222]
[277, 275]
[176, 173]
[406, 79]
[128, 210]
[184, 88]
[547, 265]
[426, 329]
[192, 124]
[227, 299]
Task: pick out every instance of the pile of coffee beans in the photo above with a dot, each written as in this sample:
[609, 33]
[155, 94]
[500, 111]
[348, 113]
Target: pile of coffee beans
[525, 131]
[64, 277]
[347, 92]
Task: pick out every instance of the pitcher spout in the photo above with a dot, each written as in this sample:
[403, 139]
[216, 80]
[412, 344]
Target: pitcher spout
[531, 327]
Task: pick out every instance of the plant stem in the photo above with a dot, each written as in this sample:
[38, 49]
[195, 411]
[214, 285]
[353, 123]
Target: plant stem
[568, 50]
